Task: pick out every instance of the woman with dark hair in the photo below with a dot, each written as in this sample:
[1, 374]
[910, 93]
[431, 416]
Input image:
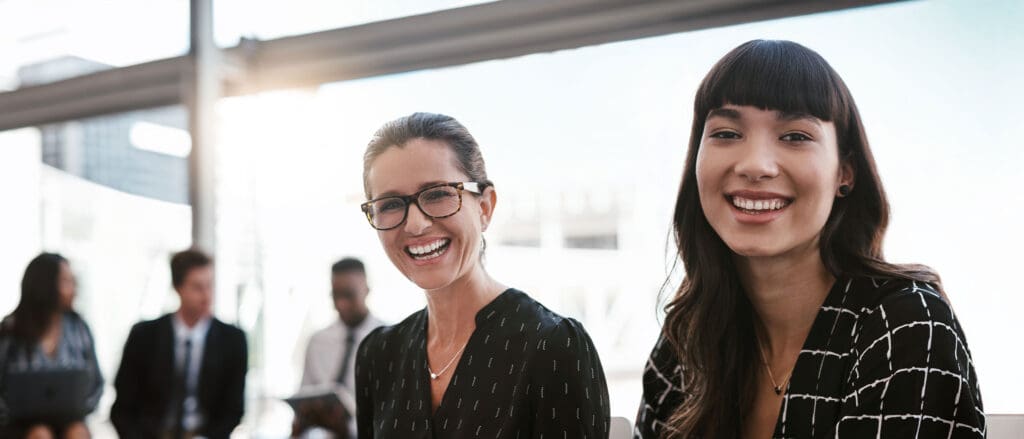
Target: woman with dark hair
[482, 359]
[44, 334]
[789, 322]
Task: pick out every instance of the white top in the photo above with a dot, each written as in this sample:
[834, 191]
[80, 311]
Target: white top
[326, 349]
[192, 418]
[324, 353]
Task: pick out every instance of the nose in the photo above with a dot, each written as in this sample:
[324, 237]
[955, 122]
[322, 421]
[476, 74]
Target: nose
[416, 222]
[757, 160]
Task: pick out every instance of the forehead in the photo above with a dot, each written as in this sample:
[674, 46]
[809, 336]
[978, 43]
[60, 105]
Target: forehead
[406, 169]
[348, 276]
[199, 272]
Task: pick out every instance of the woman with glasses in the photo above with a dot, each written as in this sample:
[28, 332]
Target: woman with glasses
[482, 359]
[45, 344]
[789, 322]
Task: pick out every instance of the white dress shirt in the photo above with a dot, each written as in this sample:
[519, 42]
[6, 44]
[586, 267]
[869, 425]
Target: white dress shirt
[326, 349]
[192, 418]
[324, 353]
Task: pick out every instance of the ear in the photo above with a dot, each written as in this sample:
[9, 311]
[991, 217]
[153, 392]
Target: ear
[846, 174]
[488, 200]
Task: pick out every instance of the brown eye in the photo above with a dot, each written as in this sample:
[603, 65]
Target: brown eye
[794, 137]
[725, 135]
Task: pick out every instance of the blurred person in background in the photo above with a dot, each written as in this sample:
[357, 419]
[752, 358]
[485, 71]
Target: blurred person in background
[330, 354]
[183, 374]
[789, 321]
[45, 334]
[481, 359]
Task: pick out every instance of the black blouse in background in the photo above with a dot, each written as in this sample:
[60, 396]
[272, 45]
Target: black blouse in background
[526, 372]
[884, 359]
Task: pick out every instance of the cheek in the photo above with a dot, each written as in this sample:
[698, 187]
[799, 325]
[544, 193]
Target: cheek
[708, 184]
[388, 241]
[709, 169]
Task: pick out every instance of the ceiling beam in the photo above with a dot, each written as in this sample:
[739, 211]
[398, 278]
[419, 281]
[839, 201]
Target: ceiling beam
[446, 38]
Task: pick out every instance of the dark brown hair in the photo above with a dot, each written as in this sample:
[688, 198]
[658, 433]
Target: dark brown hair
[40, 299]
[347, 265]
[710, 321]
[184, 261]
[430, 126]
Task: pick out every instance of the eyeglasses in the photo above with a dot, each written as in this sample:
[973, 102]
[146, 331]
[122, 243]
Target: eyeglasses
[440, 201]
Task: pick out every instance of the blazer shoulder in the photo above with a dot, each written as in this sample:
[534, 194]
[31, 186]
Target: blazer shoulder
[231, 331]
[149, 326]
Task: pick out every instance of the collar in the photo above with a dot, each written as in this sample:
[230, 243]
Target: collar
[182, 331]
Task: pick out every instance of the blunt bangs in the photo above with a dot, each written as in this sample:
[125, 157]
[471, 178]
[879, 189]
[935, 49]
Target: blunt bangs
[775, 75]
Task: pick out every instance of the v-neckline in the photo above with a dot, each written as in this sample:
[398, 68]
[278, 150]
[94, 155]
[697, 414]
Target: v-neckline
[480, 319]
[821, 321]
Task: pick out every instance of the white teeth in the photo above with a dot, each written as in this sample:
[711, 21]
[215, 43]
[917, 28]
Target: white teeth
[422, 250]
[759, 205]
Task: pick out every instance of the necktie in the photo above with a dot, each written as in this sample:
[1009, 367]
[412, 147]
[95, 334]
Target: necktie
[179, 418]
[350, 341]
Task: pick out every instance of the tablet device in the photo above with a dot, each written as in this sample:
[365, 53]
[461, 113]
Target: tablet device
[57, 395]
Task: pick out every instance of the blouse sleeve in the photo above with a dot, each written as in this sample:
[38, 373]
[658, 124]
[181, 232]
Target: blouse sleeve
[569, 391]
[663, 391]
[365, 366]
[912, 374]
[5, 347]
[96, 389]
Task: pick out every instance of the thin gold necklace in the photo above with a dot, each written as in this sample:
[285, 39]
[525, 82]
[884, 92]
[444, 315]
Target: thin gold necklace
[433, 376]
[764, 359]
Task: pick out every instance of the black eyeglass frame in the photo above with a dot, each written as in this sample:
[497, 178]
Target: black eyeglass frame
[470, 186]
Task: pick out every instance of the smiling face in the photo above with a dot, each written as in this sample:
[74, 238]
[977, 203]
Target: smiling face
[66, 286]
[433, 253]
[767, 180]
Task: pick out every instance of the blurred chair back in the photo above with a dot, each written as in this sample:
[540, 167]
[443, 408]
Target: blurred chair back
[620, 428]
[1003, 426]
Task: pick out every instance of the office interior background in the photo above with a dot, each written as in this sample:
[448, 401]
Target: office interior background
[582, 110]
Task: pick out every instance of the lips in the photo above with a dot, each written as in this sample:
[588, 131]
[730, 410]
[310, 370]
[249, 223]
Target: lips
[762, 205]
[757, 207]
[428, 250]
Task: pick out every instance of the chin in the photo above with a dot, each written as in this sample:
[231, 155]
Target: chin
[429, 283]
[754, 249]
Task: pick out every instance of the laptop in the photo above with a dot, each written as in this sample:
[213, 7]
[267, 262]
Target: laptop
[52, 395]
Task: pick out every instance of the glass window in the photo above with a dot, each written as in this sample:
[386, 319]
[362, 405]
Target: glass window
[586, 147]
[268, 19]
[90, 190]
[50, 40]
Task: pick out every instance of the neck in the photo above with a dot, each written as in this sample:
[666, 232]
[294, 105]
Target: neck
[354, 322]
[190, 320]
[56, 321]
[786, 293]
[453, 309]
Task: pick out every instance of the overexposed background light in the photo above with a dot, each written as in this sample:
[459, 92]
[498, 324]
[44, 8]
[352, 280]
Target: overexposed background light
[586, 148]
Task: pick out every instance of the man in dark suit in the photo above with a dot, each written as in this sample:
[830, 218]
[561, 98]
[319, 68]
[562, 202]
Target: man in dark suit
[183, 374]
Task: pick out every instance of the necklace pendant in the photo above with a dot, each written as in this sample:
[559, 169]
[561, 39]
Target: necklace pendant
[778, 390]
[433, 376]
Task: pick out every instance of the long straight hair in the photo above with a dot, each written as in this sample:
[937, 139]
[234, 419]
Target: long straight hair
[710, 321]
[40, 300]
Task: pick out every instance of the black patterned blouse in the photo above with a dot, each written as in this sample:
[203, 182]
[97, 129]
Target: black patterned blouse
[883, 359]
[526, 372]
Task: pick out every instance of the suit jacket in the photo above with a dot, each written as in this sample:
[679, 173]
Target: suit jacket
[145, 380]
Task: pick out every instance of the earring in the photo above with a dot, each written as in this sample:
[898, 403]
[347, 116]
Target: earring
[844, 190]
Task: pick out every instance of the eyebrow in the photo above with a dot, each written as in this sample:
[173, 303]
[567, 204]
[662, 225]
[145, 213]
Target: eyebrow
[422, 186]
[727, 113]
[781, 116]
[788, 116]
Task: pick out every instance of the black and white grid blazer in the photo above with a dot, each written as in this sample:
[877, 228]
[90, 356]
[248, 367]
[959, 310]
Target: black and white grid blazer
[883, 359]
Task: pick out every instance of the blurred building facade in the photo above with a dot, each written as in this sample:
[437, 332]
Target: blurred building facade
[140, 152]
